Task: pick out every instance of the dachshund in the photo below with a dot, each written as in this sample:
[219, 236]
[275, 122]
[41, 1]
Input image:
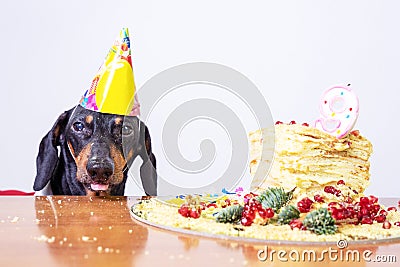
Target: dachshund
[89, 153]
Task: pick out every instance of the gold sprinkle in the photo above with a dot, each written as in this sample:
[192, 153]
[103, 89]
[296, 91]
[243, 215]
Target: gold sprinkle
[15, 219]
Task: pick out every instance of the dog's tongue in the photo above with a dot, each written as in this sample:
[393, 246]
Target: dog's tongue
[99, 187]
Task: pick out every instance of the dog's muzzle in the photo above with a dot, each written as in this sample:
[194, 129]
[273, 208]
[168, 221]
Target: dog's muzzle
[100, 171]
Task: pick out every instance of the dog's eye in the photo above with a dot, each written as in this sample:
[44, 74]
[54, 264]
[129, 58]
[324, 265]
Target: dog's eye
[78, 126]
[127, 130]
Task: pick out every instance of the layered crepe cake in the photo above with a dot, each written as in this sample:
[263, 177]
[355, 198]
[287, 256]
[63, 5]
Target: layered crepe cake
[309, 159]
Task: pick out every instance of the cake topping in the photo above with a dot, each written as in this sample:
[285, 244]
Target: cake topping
[339, 111]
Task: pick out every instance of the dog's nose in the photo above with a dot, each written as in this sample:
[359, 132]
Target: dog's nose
[100, 170]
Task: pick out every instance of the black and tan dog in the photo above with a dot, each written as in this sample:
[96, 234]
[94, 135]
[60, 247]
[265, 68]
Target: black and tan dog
[96, 150]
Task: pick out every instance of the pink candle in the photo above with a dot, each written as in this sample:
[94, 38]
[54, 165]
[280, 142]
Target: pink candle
[339, 111]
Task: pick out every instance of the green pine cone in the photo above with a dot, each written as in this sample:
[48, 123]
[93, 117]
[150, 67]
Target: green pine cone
[274, 198]
[320, 222]
[287, 214]
[230, 214]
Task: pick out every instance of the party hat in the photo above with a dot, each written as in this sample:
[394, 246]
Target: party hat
[113, 87]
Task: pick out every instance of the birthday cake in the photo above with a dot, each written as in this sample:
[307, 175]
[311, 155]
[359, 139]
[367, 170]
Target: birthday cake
[312, 189]
[310, 159]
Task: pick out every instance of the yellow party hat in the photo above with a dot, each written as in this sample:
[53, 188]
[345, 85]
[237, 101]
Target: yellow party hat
[113, 87]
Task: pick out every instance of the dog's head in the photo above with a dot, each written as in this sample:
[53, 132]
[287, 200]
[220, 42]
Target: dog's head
[95, 141]
[102, 146]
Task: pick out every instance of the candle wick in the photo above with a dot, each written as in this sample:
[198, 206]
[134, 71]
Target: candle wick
[348, 84]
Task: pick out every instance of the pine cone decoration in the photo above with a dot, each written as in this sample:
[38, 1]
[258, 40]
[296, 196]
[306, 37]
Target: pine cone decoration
[287, 214]
[275, 198]
[320, 222]
[230, 214]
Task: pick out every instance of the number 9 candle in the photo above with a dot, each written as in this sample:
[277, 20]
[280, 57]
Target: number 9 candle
[338, 110]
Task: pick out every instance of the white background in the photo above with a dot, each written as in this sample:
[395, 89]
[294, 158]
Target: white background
[292, 50]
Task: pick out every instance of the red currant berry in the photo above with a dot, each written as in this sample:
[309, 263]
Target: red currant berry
[383, 212]
[184, 210]
[340, 216]
[245, 221]
[250, 215]
[329, 189]
[364, 201]
[364, 211]
[380, 218]
[397, 224]
[269, 212]
[366, 220]
[292, 122]
[194, 213]
[262, 213]
[373, 199]
[278, 122]
[386, 225]
[319, 198]
[296, 223]
[392, 209]
[304, 205]
[212, 205]
[340, 182]
[306, 124]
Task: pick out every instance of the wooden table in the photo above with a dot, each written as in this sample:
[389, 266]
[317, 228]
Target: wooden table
[97, 231]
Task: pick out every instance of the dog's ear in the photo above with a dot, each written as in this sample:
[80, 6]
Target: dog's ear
[47, 158]
[148, 172]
